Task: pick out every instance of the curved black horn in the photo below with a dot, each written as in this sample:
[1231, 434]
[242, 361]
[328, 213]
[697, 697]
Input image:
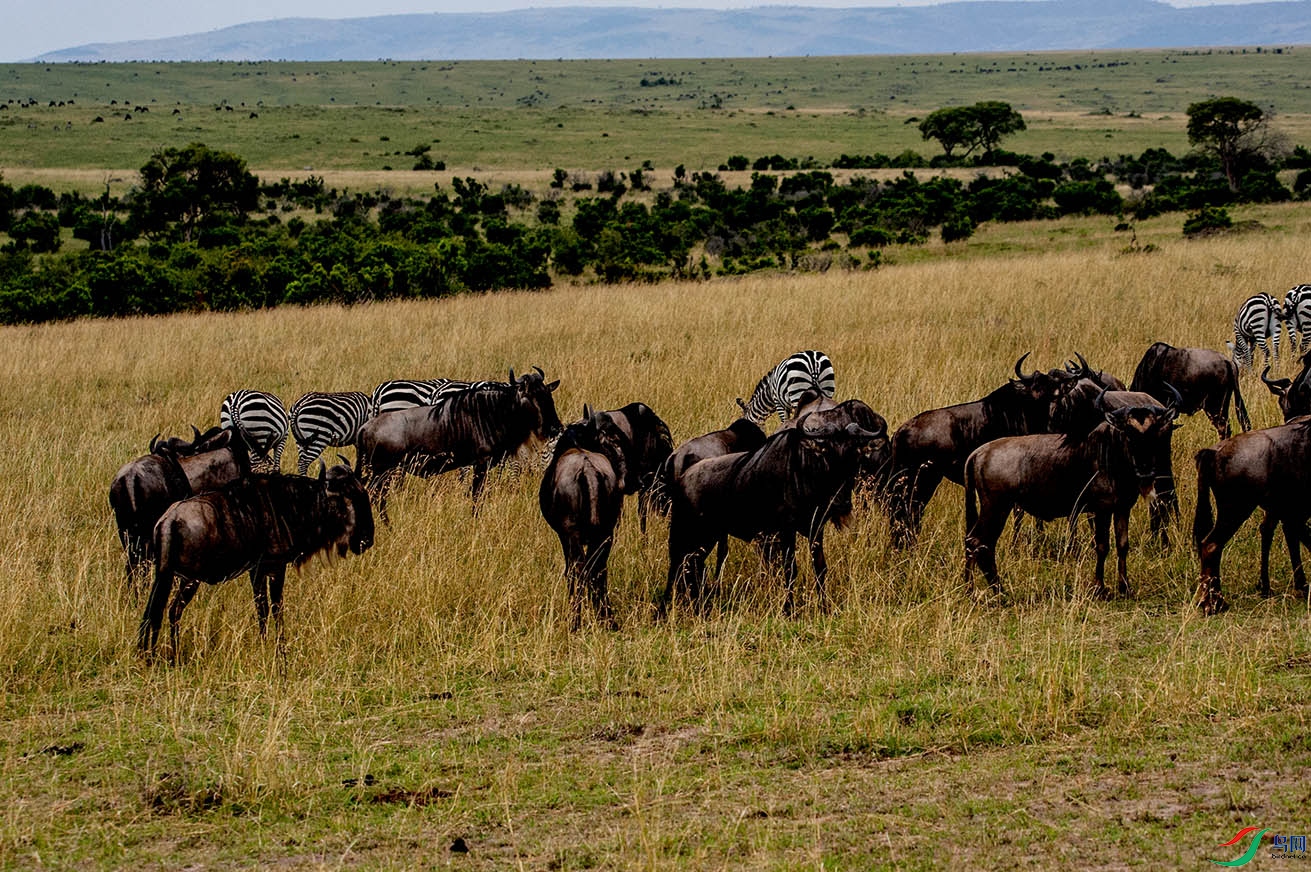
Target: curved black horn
[1020, 363]
[1265, 372]
[1087, 370]
[343, 460]
[1176, 398]
[539, 371]
[154, 440]
[195, 434]
[1100, 405]
[511, 375]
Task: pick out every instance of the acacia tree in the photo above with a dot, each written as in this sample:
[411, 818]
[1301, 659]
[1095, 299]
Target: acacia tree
[1233, 130]
[184, 189]
[980, 126]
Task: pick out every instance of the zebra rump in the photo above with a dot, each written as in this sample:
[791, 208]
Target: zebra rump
[321, 420]
[260, 419]
[1258, 322]
[779, 390]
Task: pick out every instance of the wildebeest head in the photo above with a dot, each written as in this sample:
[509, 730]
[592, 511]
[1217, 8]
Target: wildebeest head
[344, 487]
[211, 440]
[835, 439]
[534, 401]
[597, 432]
[1293, 394]
[1039, 392]
[1143, 429]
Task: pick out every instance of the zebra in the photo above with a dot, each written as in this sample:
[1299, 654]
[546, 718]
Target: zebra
[1297, 314]
[261, 420]
[396, 394]
[1258, 322]
[781, 387]
[320, 420]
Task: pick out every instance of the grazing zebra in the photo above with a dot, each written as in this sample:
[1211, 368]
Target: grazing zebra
[1258, 322]
[1297, 312]
[321, 420]
[781, 387]
[260, 419]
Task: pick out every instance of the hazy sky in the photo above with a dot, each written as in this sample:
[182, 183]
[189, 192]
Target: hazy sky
[38, 26]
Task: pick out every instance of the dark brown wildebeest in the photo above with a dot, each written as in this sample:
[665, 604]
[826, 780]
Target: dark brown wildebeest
[259, 523]
[741, 435]
[1082, 370]
[794, 484]
[1269, 468]
[581, 498]
[1293, 394]
[643, 441]
[479, 427]
[1053, 475]
[1206, 380]
[173, 470]
[1081, 409]
[933, 445]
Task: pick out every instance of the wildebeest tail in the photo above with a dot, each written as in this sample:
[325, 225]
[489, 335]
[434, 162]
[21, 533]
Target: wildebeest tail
[1144, 378]
[1203, 519]
[971, 498]
[1240, 408]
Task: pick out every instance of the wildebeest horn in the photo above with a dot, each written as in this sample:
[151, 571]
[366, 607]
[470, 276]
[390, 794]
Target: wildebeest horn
[1176, 399]
[1019, 375]
[539, 371]
[195, 434]
[1278, 386]
[511, 375]
[344, 461]
[323, 469]
[587, 412]
[1086, 371]
[154, 440]
[1100, 405]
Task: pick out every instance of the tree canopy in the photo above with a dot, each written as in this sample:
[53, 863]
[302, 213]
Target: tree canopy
[1232, 129]
[978, 127]
[189, 188]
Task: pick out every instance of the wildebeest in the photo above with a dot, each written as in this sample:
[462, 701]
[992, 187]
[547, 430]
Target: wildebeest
[258, 523]
[741, 435]
[478, 427]
[1293, 394]
[1205, 380]
[1270, 468]
[644, 442]
[1055, 475]
[794, 484]
[581, 497]
[934, 445]
[173, 470]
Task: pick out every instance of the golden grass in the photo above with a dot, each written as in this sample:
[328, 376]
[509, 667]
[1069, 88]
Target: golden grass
[441, 658]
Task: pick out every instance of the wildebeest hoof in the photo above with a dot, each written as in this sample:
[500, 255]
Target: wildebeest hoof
[1212, 604]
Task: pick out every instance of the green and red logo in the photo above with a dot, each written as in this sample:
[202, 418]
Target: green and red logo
[1251, 849]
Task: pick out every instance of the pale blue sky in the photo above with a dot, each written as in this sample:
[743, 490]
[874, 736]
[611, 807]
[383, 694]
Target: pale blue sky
[37, 26]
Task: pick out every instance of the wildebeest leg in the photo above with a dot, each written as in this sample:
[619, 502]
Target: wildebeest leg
[643, 505]
[479, 478]
[914, 492]
[820, 564]
[981, 544]
[1163, 510]
[789, 546]
[1268, 524]
[1122, 553]
[574, 567]
[1211, 549]
[259, 583]
[276, 577]
[1217, 412]
[185, 592]
[1102, 546]
[686, 561]
[1294, 542]
[378, 487]
[598, 578]
[721, 554]
[156, 605]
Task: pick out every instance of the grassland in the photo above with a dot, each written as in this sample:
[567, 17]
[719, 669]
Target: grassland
[431, 691]
[533, 116]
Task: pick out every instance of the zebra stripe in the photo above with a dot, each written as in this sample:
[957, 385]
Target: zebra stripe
[781, 387]
[261, 420]
[320, 420]
[1297, 312]
[397, 394]
[1258, 322]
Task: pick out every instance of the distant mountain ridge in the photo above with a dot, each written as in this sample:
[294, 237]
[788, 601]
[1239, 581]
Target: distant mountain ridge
[777, 31]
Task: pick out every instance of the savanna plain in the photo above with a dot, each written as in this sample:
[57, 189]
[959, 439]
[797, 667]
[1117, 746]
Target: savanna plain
[430, 707]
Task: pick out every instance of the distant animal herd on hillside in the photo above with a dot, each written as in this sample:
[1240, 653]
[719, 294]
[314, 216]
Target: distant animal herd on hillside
[1052, 444]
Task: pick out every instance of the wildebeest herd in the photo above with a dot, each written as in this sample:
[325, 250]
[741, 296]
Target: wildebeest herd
[1054, 444]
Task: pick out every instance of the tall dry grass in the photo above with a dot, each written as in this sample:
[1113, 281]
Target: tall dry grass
[451, 603]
